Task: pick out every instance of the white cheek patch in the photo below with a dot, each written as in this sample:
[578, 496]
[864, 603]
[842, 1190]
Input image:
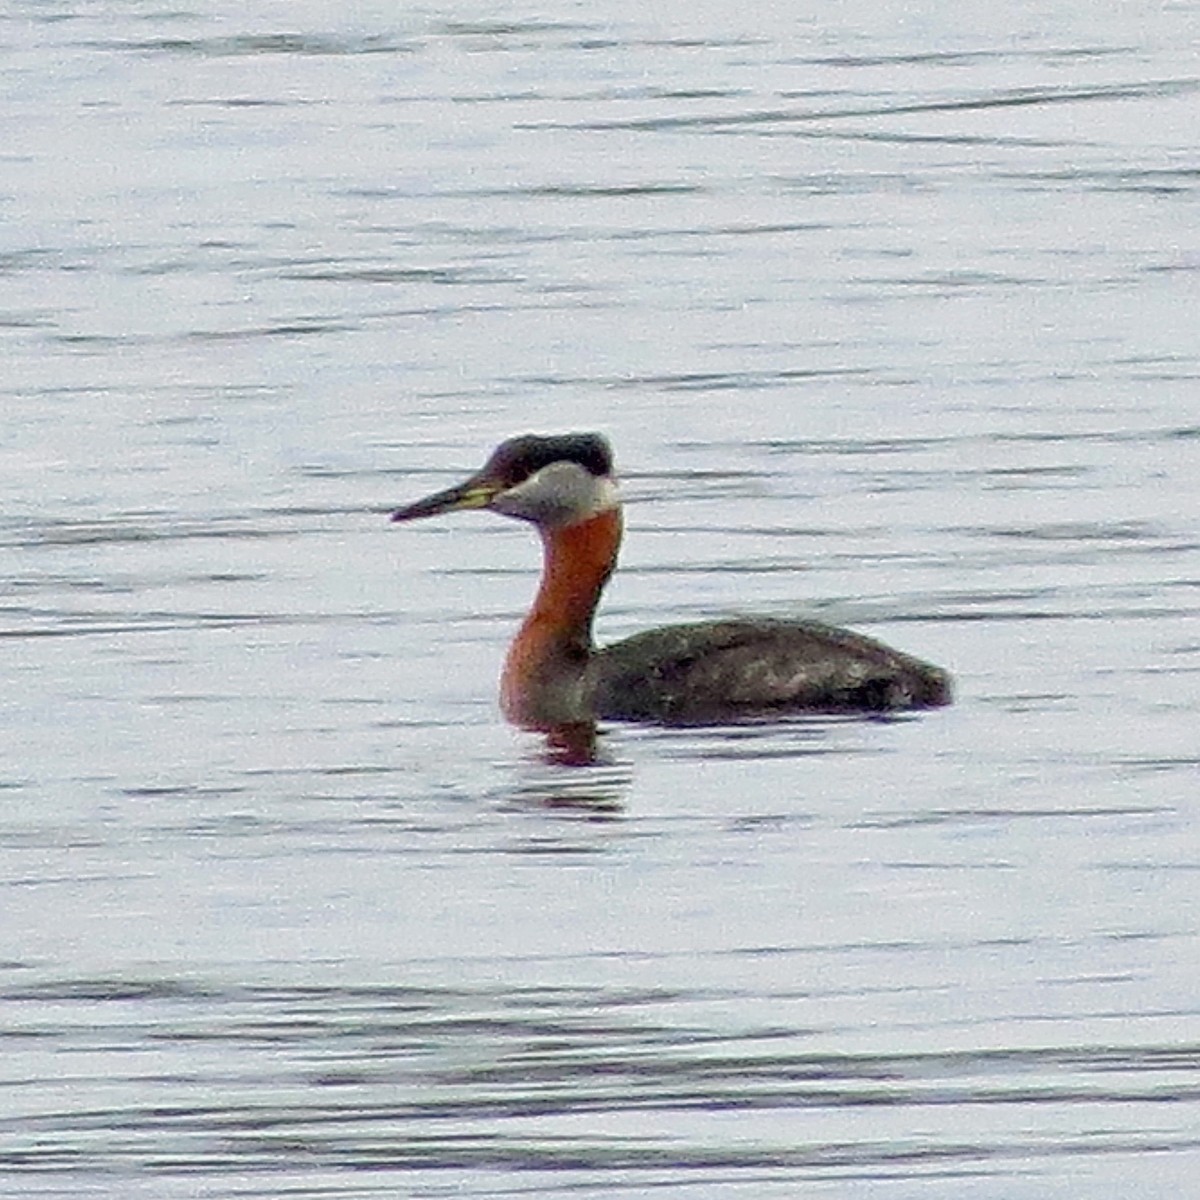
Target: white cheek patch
[559, 494]
[608, 495]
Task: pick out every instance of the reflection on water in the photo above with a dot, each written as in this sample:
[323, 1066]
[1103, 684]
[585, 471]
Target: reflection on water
[573, 767]
[890, 318]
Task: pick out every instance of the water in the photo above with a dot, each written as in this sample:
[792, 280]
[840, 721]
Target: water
[891, 317]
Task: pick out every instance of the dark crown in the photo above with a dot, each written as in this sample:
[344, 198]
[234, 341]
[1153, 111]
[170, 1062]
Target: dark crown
[515, 460]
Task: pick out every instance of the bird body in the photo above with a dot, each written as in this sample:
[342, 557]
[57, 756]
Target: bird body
[756, 668]
[706, 672]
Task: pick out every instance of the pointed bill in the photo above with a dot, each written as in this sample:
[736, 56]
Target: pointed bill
[475, 493]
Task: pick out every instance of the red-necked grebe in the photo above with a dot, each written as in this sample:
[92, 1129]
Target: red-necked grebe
[709, 672]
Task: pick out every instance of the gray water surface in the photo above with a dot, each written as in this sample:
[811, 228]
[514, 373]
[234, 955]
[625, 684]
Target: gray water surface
[891, 317]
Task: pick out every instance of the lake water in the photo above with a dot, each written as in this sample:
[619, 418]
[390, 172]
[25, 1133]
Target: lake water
[891, 315]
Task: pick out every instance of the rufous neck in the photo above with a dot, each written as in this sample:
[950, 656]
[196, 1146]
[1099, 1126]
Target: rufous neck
[578, 560]
[546, 680]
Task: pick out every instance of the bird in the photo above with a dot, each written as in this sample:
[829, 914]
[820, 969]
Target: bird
[703, 673]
